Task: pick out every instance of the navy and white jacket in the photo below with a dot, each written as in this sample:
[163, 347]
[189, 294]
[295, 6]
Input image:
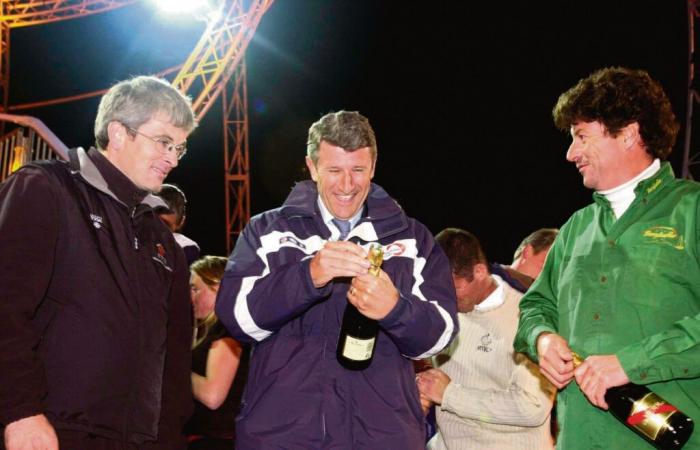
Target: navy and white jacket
[298, 396]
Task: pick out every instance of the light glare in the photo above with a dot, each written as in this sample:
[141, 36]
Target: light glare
[182, 6]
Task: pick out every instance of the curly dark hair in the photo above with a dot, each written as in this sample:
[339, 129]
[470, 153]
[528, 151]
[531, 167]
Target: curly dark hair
[617, 97]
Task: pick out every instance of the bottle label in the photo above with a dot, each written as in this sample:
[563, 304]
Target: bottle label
[358, 349]
[650, 415]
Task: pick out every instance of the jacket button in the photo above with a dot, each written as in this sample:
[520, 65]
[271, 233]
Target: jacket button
[596, 316]
[603, 278]
[611, 243]
[643, 375]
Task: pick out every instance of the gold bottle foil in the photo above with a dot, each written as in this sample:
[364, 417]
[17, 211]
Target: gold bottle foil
[577, 359]
[375, 257]
[649, 415]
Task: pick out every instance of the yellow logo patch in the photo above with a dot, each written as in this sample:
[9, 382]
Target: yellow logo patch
[653, 187]
[666, 236]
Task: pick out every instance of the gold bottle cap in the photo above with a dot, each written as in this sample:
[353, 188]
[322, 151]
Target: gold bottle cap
[375, 257]
[577, 359]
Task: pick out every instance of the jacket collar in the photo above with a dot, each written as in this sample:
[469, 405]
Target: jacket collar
[382, 212]
[647, 187]
[101, 174]
[660, 179]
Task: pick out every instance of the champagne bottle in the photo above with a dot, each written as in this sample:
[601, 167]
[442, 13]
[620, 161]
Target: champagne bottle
[358, 334]
[650, 416]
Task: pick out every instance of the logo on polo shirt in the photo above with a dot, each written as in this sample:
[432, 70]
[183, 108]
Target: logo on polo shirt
[486, 342]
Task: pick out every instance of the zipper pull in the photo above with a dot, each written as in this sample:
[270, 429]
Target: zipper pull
[136, 243]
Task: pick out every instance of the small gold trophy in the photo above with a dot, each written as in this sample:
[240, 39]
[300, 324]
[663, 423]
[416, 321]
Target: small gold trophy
[375, 257]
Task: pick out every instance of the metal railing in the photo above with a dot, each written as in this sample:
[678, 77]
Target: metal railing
[32, 141]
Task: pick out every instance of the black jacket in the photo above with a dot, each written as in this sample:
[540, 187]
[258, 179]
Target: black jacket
[95, 316]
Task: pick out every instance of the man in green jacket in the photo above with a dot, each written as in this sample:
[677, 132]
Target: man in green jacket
[621, 285]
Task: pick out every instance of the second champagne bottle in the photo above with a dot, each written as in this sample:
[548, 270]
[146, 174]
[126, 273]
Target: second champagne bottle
[358, 333]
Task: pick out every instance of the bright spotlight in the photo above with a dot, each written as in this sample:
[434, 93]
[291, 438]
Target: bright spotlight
[214, 16]
[183, 6]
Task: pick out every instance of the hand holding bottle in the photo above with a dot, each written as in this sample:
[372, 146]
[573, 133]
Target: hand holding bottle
[555, 359]
[358, 332]
[337, 259]
[373, 296]
[650, 416]
[596, 374]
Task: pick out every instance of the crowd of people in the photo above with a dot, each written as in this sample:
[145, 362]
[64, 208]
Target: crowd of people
[116, 335]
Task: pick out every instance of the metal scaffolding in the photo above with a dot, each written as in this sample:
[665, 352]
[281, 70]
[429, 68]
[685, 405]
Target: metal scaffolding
[690, 155]
[215, 67]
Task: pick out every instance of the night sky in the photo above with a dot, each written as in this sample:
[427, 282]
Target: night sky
[459, 94]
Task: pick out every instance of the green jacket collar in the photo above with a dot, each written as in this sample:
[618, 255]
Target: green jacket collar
[645, 188]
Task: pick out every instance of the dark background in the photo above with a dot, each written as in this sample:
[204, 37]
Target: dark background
[459, 94]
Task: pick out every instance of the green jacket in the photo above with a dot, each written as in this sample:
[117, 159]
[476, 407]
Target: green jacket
[630, 287]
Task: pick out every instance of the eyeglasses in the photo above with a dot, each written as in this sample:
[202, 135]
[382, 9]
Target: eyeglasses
[164, 145]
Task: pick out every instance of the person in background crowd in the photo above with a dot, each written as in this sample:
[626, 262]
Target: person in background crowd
[287, 285]
[489, 396]
[95, 318]
[532, 251]
[528, 259]
[174, 216]
[219, 364]
[621, 284]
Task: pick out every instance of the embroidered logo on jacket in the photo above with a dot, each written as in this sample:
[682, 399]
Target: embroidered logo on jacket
[159, 257]
[486, 342]
[653, 187]
[664, 236]
[394, 249]
[293, 241]
[96, 220]
[390, 250]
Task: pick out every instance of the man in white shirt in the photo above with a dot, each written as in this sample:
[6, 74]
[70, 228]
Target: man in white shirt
[489, 396]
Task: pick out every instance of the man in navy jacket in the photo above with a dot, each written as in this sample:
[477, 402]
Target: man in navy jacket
[286, 287]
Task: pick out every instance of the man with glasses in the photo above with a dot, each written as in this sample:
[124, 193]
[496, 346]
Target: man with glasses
[621, 284]
[95, 317]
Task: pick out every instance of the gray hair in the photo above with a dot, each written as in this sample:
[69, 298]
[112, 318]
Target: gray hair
[135, 101]
[348, 130]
